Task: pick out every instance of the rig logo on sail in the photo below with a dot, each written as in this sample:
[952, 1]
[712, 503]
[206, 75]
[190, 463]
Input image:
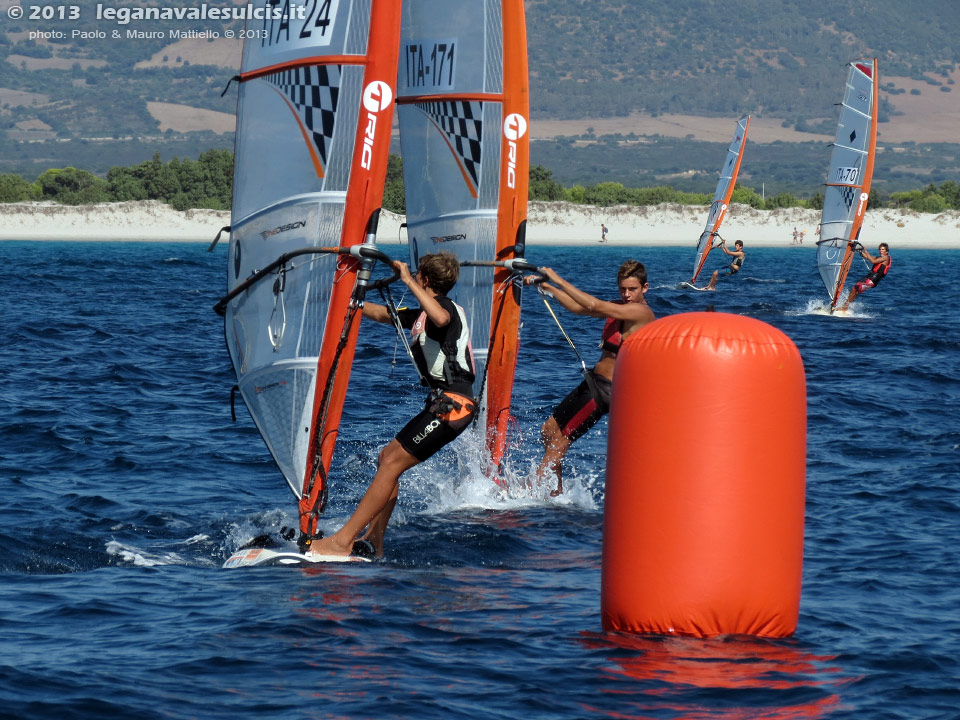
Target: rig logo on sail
[514, 128]
[377, 97]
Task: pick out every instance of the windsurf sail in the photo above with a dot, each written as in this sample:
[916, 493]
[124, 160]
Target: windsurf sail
[848, 181]
[721, 198]
[463, 114]
[314, 117]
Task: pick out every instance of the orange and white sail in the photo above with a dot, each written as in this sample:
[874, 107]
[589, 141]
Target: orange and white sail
[721, 198]
[464, 132]
[848, 180]
[314, 118]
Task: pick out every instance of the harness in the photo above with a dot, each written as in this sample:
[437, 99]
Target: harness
[450, 406]
[612, 337]
[879, 271]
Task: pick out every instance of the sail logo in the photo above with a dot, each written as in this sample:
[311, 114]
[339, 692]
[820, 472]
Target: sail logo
[377, 97]
[514, 128]
[863, 201]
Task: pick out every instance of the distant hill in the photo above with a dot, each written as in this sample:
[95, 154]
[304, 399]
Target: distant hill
[638, 92]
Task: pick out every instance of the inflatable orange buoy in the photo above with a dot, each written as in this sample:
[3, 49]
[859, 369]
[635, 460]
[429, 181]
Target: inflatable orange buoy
[706, 463]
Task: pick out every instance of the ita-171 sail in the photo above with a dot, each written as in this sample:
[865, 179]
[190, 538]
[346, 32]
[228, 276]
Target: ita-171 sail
[463, 114]
[314, 118]
[721, 198]
[848, 181]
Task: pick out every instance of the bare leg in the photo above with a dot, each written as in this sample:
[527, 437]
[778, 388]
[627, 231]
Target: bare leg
[375, 506]
[555, 445]
[713, 280]
[851, 297]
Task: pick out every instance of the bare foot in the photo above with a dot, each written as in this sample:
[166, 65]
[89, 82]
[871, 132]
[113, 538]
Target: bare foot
[328, 546]
[558, 491]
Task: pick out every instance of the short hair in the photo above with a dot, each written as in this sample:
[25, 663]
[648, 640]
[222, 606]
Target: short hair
[441, 270]
[632, 268]
[738, 242]
[884, 245]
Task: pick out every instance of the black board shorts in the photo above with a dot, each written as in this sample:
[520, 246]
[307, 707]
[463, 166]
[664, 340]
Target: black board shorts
[580, 410]
[433, 427]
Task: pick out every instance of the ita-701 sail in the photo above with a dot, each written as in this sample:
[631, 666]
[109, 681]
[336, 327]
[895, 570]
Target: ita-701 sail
[721, 198]
[848, 181]
[463, 116]
[314, 118]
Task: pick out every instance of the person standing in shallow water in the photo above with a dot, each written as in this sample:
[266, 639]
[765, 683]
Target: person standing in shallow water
[590, 400]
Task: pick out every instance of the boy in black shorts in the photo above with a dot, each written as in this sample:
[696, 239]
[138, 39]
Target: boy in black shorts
[440, 340]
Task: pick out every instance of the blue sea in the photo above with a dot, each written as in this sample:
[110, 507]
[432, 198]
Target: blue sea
[126, 485]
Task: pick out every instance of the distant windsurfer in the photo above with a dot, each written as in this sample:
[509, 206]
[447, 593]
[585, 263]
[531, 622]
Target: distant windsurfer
[590, 401]
[881, 266]
[738, 256]
[440, 341]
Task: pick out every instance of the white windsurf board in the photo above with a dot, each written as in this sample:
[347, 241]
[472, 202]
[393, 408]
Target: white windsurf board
[254, 557]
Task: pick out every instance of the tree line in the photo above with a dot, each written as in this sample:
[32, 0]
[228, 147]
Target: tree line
[208, 183]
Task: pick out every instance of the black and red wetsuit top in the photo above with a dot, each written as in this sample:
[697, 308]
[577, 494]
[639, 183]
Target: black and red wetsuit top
[612, 337]
[878, 272]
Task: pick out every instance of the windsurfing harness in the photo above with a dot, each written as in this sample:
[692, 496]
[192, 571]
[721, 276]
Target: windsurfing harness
[878, 272]
[612, 336]
[443, 355]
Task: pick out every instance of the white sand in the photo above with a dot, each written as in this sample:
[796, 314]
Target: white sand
[548, 224]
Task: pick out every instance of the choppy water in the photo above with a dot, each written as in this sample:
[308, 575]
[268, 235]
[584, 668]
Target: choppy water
[126, 485]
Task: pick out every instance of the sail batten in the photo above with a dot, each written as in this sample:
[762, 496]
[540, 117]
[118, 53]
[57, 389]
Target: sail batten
[849, 177]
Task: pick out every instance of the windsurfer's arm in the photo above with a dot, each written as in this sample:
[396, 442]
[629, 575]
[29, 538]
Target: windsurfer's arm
[587, 304]
[871, 259]
[428, 303]
[567, 302]
[376, 312]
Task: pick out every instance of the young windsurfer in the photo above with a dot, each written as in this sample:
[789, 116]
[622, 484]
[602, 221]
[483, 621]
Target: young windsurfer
[590, 401]
[738, 256]
[440, 341]
[881, 266]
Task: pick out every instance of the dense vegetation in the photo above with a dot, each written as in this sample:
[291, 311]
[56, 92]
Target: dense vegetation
[773, 57]
[603, 58]
[207, 183]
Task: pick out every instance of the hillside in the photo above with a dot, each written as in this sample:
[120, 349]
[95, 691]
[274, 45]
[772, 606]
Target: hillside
[641, 93]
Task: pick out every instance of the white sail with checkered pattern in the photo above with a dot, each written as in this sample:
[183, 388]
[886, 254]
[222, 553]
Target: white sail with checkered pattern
[848, 180]
[463, 116]
[308, 173]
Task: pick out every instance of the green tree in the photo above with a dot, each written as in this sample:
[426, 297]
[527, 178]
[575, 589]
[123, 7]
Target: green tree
[543, 186]
[14, 188]
[71, 186]
[394, 198]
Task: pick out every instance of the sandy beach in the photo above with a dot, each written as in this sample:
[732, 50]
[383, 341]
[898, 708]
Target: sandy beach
[547, 224]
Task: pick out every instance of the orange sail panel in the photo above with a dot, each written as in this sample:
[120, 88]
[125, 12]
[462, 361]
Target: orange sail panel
[464, 133]
[314, 117]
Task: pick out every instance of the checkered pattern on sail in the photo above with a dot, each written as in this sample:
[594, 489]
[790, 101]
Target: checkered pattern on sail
[462, 122]
[314, 91]
[849, 194]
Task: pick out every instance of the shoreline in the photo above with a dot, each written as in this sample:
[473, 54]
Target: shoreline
[548, 223]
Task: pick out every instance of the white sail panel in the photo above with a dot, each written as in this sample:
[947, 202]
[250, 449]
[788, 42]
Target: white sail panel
[306, 28]
[849, 176]
[297, 116]
[464, 116]
[448, 72]
[721, 197]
